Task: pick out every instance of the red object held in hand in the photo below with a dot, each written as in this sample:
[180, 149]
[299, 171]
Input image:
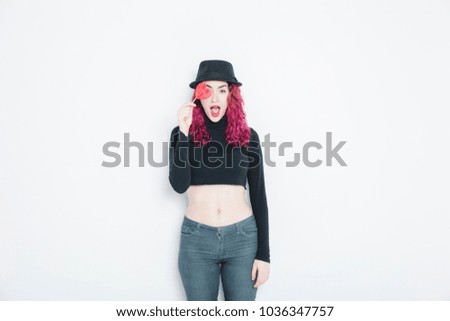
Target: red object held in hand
[201, 91]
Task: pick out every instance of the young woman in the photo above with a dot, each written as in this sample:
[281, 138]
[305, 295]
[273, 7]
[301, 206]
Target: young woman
[213, 153]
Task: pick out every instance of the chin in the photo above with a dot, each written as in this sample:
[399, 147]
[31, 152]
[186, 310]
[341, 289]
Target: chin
[212, 118]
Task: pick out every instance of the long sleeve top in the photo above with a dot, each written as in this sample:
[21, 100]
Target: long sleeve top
[217, 162]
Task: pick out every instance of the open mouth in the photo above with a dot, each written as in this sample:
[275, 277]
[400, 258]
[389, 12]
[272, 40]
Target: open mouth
[215, 110]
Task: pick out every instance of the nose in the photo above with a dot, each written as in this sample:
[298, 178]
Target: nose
[213, 97]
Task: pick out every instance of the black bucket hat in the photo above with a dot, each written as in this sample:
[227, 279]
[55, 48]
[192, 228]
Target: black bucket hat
[215, 70]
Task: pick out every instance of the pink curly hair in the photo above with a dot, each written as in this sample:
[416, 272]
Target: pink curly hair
[237, 132]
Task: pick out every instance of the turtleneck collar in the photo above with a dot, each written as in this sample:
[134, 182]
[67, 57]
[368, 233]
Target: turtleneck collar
[222, 123]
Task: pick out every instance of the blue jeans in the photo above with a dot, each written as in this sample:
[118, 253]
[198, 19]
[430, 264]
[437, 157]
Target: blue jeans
[207, 253]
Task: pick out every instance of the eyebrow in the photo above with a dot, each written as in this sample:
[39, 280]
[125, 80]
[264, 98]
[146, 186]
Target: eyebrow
[217, 87]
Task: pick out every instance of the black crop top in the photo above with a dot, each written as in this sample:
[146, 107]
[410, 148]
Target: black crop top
[217, 162]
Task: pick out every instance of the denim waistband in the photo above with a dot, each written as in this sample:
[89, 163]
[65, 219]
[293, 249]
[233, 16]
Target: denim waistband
[222, 229]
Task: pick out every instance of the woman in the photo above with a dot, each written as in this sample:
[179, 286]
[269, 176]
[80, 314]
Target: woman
[213, 153]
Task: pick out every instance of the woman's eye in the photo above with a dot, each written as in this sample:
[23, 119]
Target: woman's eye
[223, 91]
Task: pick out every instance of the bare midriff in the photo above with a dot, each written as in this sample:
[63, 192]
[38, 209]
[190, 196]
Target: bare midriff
[217, 205]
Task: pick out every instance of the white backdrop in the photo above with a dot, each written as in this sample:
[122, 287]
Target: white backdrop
[75, 75]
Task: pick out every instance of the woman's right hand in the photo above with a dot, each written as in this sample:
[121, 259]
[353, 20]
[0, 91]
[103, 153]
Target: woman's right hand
[185, 116]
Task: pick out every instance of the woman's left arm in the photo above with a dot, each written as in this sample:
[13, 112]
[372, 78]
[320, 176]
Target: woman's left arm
[258, 199]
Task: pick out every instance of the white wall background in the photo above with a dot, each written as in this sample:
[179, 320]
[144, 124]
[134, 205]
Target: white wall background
[75, 75]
